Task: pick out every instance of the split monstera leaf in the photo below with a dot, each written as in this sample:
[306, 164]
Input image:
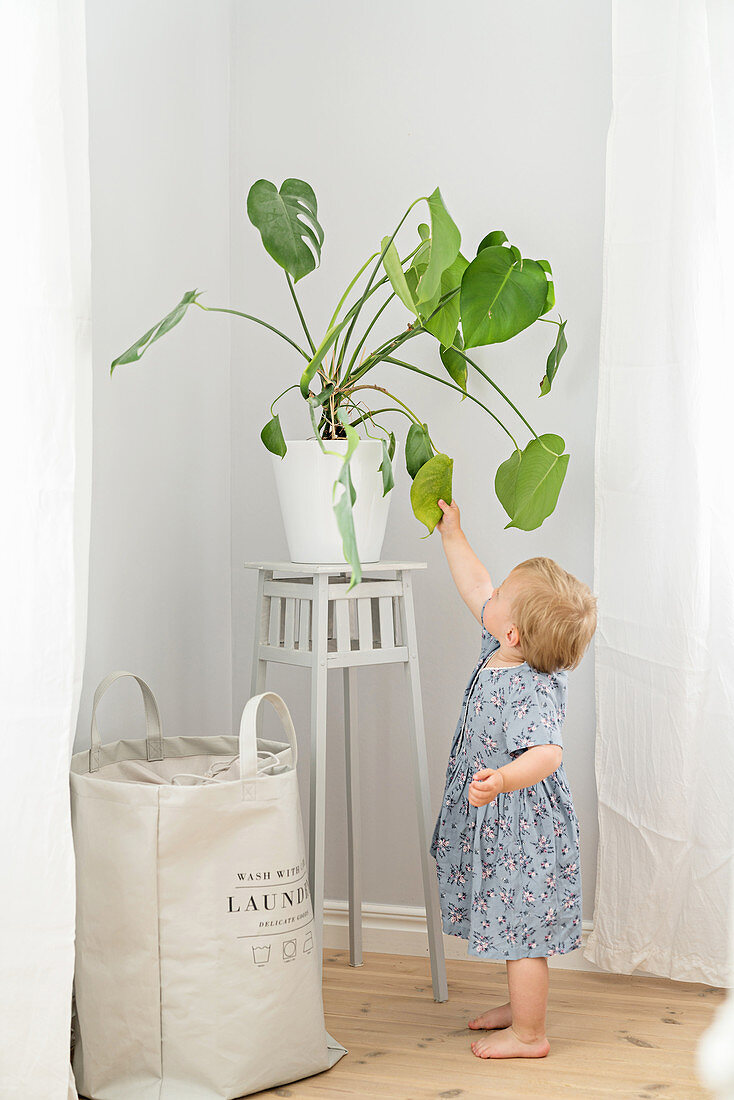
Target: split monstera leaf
[463, 304]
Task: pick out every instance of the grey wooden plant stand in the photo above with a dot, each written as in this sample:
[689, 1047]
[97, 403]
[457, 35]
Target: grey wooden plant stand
[307, 617]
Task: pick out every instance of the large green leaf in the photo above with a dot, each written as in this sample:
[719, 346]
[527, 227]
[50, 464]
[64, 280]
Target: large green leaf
[396, 275]
[528, 483]
[388, 451]
[495, 237]
[505, 481]
[557, 352]
[550, 296]
[445, 244]
[454, 363]
[418, 448]
[414, 272]
[419, 262]
[500, 296]
[288, 224]
[431, 484]
[445, 323]
[133, 353]
[272, 437]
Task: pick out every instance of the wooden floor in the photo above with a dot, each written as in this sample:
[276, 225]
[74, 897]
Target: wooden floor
[611, 1035]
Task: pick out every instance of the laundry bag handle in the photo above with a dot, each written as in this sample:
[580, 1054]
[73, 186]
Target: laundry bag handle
[248, 733]
[153, 730]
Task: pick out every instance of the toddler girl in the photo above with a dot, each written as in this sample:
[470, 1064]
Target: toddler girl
[506, 841]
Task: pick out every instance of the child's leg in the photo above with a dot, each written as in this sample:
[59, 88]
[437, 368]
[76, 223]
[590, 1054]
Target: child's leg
[525, 1036]
[528, 983]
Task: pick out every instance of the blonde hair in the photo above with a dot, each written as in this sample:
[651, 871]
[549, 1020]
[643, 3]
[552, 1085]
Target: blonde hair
[554, 612]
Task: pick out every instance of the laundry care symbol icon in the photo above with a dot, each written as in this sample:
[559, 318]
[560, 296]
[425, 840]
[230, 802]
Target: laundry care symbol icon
[308, 943]
[261, 954]
[289, 949]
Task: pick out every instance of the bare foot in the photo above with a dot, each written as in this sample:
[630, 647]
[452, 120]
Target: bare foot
[506, 1044]
[495, 1017]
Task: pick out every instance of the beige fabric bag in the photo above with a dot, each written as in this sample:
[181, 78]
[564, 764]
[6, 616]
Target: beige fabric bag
[196, 976]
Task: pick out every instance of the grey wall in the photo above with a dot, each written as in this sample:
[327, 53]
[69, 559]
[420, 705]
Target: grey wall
[506, 108]
[159, 600]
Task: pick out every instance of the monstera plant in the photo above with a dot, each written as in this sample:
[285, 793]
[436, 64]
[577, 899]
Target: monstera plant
[460, 303]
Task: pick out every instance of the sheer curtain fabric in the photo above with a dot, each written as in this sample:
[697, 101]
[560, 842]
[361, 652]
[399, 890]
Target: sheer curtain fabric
[45, 471]
[664, 540]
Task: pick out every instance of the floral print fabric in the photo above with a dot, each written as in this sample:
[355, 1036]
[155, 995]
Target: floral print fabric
[509, 873]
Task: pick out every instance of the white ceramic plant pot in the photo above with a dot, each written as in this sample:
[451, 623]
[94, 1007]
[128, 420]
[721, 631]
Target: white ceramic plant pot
[305, 479]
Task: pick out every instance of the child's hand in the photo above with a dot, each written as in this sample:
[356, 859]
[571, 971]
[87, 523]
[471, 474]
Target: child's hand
[485, 786]
[450, 521]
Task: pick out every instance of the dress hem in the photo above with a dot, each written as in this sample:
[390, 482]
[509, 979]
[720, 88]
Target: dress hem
[538, 953]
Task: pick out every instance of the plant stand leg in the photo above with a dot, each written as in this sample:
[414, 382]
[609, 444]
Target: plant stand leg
[351, 751]
[419, 761]
[317, 793]
[258, 674]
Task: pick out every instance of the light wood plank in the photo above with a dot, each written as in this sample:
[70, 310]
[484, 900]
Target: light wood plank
[405, 1046]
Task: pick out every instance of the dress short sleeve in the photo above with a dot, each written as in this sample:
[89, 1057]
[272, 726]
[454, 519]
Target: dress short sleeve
[534, 713]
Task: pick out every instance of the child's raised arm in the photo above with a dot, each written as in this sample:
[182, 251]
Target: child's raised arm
[470, 576]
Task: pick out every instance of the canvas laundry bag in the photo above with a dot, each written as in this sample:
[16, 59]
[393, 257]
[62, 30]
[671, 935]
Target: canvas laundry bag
[196, 974]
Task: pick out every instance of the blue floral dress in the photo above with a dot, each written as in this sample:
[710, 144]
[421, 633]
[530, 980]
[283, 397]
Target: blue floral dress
[509, 873]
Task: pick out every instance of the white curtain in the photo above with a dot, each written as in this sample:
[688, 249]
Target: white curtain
[45, 474]
[664, 541]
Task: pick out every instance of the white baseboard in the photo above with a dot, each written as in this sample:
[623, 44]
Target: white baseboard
[401, 930]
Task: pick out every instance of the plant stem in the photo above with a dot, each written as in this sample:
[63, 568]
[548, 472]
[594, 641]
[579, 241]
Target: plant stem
[379, 354]
[346, 292]
[300, 314]
[372, 386]
[342, 324]
[341, 302]
[236, 312]
[414, 329]
[444, 382]
[293, 387]
[499, 391]
[375, 269]
[368, 414]
[362, 342]
[375, 412]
